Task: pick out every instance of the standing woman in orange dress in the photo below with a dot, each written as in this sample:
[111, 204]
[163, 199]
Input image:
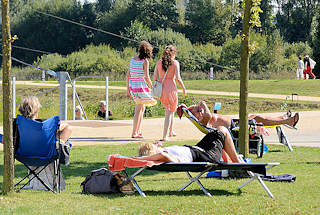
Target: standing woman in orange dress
[169, 96]
[139, 84]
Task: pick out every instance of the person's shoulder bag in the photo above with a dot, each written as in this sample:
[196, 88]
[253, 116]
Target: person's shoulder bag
[157, 87]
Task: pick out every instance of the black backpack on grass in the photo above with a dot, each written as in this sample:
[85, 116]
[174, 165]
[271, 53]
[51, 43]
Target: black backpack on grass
[105, 181]
[100, 181]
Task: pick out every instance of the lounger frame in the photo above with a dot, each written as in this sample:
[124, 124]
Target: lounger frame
[255, 170]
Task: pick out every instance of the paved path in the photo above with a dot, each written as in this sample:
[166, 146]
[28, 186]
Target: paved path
[254, 95]
[118, 131]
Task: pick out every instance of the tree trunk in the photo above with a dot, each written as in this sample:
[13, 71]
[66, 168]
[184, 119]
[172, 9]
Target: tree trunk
[8, 173]
[244, 79]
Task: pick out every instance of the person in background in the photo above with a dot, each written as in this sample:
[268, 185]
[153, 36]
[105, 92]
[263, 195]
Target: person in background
[102, 110]
[78, 113]
[308, 66]
[300, 69]
[139, 84]
[169, 68]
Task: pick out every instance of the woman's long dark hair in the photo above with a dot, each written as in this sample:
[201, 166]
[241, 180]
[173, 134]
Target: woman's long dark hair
[145, 50]
[167, 56]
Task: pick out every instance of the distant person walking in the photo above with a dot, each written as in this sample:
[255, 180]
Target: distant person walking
[169, 68]
[138, 80]
[308, 66]
[300, 69]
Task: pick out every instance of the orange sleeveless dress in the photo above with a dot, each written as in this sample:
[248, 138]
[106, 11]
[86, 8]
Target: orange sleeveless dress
[169, 96]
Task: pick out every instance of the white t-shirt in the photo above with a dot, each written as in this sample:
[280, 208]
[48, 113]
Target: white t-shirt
[183, 153]
[300, 64]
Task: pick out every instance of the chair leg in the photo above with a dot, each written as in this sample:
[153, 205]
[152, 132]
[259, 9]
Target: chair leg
[196, 179]
[256, 176]
[131, 178]
[283, 138]
[35, 175]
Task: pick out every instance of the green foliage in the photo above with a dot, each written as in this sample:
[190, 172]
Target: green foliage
[42, 32]
[92, 60]
[156, 13]
[294, 19]
[206, 21]
[316, 42]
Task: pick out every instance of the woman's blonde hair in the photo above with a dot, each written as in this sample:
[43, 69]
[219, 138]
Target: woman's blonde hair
[29, 107]
[147, 149]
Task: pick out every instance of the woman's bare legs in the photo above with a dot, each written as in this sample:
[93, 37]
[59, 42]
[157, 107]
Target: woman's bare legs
[167, 122]
[270, 121]
[229, 148]
[171, 132]
[137, 119]
[140, 120]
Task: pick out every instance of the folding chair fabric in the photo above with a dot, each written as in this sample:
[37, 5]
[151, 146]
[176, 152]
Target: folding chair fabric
[37, 139]
[37, 150]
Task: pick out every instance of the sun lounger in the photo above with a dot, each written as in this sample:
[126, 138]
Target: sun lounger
[255, 170]
[258, 138]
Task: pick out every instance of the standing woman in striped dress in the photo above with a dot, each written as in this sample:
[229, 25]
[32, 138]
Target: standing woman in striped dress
[139, 84]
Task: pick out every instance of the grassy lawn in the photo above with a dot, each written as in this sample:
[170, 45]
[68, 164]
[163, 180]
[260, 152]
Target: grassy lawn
[300, 197]
[284, 87]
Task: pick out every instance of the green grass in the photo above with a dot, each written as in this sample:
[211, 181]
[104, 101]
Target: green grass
[283, 87]
[300, 197]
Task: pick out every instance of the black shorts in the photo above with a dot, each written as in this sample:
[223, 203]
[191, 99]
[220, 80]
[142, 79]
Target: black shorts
[210, 148]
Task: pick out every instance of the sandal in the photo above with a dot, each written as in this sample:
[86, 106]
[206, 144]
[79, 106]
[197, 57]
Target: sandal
[173, 134]
[137, 136]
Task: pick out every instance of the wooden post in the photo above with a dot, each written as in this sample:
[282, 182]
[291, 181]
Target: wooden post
[8, 171]
[244, 80]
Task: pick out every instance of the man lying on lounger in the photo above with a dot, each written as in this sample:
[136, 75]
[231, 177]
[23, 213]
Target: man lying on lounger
[205, 117]
[211, 148]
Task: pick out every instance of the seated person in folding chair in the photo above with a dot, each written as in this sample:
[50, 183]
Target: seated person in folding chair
[30, 108]
[214, 146]
[203, 114]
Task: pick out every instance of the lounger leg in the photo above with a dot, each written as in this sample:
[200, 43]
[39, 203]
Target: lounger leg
[195, 179]
[264, 186]
[283, 138]
[131, 178]
[256, 176]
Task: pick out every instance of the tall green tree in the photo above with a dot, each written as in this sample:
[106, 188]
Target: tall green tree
[8, 170]
[316, 42]
[250, 19]
[41, 32]
[157, 13]
[207, 21]
[267, 17]
[294, 18]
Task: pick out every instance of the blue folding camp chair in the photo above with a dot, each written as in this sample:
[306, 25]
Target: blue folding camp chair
[35, 146]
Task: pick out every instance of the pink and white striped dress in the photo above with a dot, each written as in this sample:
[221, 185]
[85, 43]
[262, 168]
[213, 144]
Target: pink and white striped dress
[137, 84]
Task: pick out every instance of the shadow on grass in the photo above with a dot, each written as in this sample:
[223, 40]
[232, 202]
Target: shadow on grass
[275, 150]
[213, 192]
[75, 169]
[318, 163]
